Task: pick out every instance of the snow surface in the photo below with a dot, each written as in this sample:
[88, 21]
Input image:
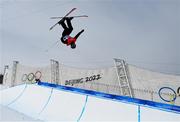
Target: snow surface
[8, 114]
[41, 103]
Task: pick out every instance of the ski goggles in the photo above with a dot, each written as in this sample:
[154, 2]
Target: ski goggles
[65, 37]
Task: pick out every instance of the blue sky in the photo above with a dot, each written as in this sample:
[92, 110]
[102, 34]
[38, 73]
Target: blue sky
[145, 33]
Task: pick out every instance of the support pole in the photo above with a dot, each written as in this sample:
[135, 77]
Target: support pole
[14, 70]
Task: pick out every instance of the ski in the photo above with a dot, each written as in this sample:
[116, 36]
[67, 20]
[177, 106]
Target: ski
[63, 17]
[69, 16]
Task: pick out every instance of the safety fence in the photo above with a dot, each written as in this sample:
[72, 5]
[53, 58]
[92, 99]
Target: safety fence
[121, 79]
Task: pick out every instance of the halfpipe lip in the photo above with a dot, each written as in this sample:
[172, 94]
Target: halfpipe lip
[124, 99]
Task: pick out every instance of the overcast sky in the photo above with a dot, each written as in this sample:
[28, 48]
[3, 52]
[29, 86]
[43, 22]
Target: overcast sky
[145, 33]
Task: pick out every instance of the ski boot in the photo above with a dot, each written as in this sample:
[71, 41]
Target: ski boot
[61, 21]
[69, 18]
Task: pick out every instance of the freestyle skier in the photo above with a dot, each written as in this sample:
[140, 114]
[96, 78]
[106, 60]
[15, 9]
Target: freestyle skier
[66, 38]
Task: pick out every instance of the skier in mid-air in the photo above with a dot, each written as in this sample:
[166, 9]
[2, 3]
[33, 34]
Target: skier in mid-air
[66, 38]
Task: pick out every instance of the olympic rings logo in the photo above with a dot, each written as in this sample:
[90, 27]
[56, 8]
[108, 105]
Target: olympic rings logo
[173, 96]
[178, 92]
[31, 77]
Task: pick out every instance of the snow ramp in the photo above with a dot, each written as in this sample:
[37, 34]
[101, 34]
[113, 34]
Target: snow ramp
[50, 102]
